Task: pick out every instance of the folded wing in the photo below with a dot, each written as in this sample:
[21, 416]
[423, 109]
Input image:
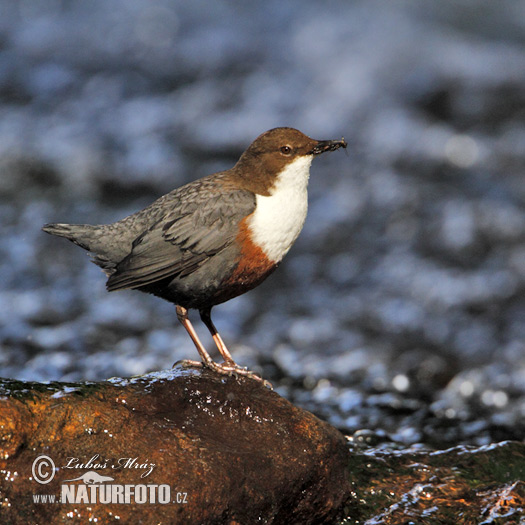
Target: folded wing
[182, 240]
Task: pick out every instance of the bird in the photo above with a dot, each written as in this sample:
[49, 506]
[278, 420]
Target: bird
[211, 239]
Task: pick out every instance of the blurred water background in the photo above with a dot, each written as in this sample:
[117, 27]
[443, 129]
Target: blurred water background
[401, 307]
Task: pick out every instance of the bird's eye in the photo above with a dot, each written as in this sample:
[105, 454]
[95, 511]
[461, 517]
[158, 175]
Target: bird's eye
[286, 150]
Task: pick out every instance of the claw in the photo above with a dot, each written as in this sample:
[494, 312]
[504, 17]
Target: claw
[226, 369]
[229, 366]
[188, 363]
[237, 371]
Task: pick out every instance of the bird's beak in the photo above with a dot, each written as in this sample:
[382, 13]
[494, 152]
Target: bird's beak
[328, 145]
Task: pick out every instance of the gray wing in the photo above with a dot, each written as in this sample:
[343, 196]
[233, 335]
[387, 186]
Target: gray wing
[183, 239]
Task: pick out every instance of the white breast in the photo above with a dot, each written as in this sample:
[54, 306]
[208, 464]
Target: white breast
[279, 218]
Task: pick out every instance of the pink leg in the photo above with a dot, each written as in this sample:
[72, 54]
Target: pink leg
[229, 366]
[206, 319]
[182, 315]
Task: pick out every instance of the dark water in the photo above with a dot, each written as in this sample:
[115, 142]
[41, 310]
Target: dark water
[401, 308]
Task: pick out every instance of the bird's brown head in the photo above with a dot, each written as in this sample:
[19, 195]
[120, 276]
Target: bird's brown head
[270, 153]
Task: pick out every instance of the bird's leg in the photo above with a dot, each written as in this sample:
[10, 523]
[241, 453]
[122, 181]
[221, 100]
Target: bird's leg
[182, 315]
[206, 319]
[229, 366]
[225, 369]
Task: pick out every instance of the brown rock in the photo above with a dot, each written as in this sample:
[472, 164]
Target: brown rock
[206, 448]
[213, 449]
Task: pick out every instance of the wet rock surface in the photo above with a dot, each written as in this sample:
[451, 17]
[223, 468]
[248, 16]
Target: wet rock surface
[460, 485]
[230, 451]
[401, 307]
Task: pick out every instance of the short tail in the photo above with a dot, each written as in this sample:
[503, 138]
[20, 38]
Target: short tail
[77, 233]
[86, 236]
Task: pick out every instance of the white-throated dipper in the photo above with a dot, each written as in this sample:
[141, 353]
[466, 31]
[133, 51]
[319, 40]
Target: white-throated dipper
[212, 239]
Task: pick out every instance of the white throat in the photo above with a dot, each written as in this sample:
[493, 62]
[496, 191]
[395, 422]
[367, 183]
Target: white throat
[278, 219]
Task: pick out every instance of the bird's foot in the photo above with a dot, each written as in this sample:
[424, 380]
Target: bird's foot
[188, 363]
[232, 368]
[228, 368]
